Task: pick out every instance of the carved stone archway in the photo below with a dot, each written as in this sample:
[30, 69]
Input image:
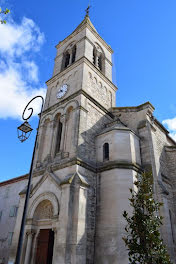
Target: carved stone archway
[42, 218]
[44, 196]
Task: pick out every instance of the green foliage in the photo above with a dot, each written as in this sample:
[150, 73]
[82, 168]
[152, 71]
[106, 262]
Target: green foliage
[143, 237]
[3, 12]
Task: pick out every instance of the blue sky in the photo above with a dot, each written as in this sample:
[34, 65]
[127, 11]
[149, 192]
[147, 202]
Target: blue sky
[142, 34]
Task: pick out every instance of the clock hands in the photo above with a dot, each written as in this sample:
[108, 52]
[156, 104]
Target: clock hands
[62, 91]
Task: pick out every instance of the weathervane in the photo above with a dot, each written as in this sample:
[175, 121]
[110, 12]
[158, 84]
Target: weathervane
[87, 10]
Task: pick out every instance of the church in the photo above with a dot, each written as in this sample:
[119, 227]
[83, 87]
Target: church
[88, 154]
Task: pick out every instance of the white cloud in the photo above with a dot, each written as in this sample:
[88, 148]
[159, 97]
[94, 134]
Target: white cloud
[171, 124]
[18, 72]
[18, 39]
[173, 135]
[32, 69]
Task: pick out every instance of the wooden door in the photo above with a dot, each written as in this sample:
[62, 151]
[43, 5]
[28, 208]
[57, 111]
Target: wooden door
[50, 247]
[45, 243]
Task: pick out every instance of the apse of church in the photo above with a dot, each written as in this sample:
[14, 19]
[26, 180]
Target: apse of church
[88, 154]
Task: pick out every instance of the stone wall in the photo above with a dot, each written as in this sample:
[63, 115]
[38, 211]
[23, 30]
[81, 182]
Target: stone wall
[112, 199]
[8, 198]
[92, 120]
[153, 141]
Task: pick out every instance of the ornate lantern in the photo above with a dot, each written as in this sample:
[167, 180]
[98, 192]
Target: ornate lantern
[24, 131]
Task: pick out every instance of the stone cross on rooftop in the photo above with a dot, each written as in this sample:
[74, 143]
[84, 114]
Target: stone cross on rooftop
[87, 10]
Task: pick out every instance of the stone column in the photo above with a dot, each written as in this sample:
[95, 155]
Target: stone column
[54, 137]
[54, 245]
[63, 121]
[34, 246]
[28, 247]
[96, 61]
[66, 126]
[71, 55]
[52, 126]
[60, 238]
[39, 147]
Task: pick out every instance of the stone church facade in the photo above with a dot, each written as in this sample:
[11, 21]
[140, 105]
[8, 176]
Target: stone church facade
[88, 154]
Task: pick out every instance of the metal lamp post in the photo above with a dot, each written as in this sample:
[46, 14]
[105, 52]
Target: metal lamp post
[24, 132]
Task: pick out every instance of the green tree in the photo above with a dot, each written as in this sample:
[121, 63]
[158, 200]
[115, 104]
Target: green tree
[3, 12]
[143, 240]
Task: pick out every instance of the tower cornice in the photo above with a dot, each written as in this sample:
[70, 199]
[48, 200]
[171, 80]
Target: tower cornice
[71, 97]
[74, 65]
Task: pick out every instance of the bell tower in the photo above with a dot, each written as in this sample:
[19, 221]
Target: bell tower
[83, 62]
[79, 98]
[82, 80]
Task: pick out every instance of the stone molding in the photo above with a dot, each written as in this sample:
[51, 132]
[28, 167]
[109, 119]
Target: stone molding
[93, 168]
[119, 165]
[80, 92]
[30, 232]
[77, 63]
[134, 108]
[170, 148]
[46, 175]
[69, 179]
[61, 110]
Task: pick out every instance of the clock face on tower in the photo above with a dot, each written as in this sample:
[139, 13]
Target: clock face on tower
[62, 91]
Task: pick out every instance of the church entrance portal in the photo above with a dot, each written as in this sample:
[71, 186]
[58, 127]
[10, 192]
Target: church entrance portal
[45, 244]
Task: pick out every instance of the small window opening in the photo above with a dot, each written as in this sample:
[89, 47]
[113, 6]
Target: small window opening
[7, 192]
[100, 62]
[10, 236]
[94, 56]
[67, 59]
[73, 54]
[98, 59]
[106, 151]
[59, 134]
[13, 211]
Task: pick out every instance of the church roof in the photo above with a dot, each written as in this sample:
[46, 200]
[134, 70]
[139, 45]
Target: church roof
[115, 125]
[86, 21]
[13, 180]
[70, 178]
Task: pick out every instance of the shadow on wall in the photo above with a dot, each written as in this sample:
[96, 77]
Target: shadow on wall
[165, 186]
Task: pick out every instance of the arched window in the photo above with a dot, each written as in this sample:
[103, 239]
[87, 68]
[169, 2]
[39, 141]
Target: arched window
[74, 54]
[59, 134]
[67, 59]
[105, 151]
[69, 56]
[94, 56]
[99, 58]
[100, 62]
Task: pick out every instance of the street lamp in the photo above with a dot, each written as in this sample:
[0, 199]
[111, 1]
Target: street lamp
[24, 131]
